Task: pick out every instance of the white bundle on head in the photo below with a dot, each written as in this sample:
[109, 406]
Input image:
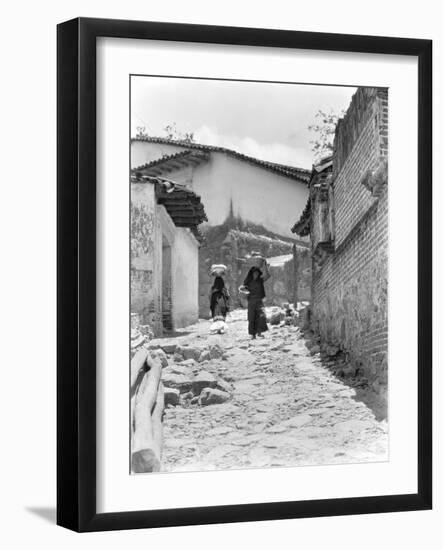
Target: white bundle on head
[218, 269]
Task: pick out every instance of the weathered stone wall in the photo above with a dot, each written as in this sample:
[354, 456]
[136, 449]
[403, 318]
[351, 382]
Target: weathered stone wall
[349, 305]
[146, 261]
[280, 288]
[302, 274]
[164, 265]
[322, 226]
[350, 284]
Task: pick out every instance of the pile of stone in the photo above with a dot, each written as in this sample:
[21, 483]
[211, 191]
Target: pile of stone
[140, 336]
[304, 317]
[285, 315]
[185, 378]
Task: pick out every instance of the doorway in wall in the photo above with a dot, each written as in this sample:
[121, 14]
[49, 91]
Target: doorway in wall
[166, 286]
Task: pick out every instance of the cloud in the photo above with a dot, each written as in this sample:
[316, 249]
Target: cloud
[274, 151]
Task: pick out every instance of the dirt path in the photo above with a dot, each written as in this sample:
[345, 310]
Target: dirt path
[286, 408]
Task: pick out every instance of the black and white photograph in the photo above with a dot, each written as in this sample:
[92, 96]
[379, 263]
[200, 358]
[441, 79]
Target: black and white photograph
[258, 274]
[222, 265]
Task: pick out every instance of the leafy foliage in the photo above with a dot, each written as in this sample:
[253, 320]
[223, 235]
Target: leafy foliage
[141, 132]
[323, 131]
[171, 133]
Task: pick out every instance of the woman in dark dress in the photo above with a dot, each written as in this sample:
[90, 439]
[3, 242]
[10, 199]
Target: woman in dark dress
[219, 299]
[254, 284]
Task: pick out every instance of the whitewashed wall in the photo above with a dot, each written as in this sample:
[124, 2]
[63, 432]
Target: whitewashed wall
[184, 279]
[257, 195]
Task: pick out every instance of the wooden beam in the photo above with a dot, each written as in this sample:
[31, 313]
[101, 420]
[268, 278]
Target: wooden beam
[186, 195]
[184, 208]
[175, 164]
[182, 213]
[187, 224]
[179, 201]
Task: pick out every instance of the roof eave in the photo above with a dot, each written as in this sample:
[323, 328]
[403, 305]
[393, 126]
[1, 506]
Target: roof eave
[292, 172]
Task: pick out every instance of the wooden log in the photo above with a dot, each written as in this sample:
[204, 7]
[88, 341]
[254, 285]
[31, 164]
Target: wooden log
[145, 450]
[157, 421]
[140, 363]
[134, 390]
[153, 379]
[138, 367]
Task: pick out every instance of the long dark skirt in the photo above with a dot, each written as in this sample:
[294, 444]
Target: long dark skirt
[256, 317]
[219, 305]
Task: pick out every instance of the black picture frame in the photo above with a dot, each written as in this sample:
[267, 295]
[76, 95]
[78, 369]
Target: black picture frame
[76, 273]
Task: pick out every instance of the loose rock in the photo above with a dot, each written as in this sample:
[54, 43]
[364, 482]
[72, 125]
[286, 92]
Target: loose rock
[161, 355]
[178, 369]
[172, 396]
[215, 352]
[178, 381]
[223, 385]
[203, 380]
[209, 396]
[205, 355]
[189, 352]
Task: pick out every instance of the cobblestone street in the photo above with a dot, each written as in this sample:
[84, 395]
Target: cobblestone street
[286, 406]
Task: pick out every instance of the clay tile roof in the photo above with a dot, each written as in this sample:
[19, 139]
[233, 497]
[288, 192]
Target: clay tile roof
[320, 178]
[168, 163]
[299, 174]
[323, 165]
[183, 205]
[303, 226]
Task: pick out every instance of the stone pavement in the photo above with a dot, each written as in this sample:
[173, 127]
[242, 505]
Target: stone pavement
[285, 408]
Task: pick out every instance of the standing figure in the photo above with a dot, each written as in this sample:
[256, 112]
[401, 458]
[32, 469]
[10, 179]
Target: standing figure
[254, 284]
[219, 304]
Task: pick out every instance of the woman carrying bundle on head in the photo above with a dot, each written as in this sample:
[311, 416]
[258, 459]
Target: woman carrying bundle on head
[219, 303]
[254, 289]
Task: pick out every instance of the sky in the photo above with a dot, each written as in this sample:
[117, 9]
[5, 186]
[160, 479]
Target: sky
[268, 121]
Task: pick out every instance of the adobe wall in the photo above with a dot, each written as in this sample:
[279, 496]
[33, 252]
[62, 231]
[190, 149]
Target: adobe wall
[228, 185]
[164, 265]
[185, 261]
[146, 260]
[231, 186]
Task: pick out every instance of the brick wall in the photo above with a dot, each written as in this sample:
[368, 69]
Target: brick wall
[349, 285]
[352, 161]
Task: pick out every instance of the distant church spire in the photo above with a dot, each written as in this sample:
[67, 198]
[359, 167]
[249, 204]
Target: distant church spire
[231, 211]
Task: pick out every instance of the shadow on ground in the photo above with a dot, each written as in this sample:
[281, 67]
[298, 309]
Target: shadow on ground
[376, 403]
[362, 393]
[173, 334]
[47, 513]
